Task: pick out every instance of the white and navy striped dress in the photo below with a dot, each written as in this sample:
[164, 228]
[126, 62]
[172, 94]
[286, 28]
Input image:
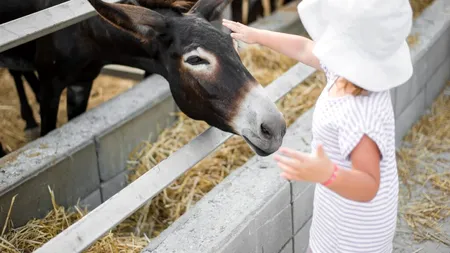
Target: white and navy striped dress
[340, 224]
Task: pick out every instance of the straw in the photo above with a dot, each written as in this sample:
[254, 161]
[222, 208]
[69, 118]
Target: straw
[424, 171]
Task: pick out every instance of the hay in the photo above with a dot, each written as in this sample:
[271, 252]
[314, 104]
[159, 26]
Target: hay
[38, 231]
[149, 221]
[12, 135]
[425, 174]
[418, 6]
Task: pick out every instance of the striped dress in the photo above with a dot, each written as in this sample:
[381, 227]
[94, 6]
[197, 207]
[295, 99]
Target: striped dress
[339, 224]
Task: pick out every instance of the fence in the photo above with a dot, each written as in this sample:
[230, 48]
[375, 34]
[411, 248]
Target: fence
[431, 59]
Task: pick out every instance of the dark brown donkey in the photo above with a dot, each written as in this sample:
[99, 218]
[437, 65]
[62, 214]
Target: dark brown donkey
[207, 79]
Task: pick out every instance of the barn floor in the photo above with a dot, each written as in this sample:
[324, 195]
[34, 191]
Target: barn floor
[424, 161]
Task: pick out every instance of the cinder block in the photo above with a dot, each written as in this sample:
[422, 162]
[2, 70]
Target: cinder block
[277, 203]
[404, 97]
[114, 185]
[92, 201]
[303, 207]
[438, 51]
[115, 146]
[407, 118]
[71, 179]
[422, 72]
[288, 248]
[431, 52]
[243, 242]
[301, 239]
[393, 97]
[275, 233]
[437, 82]
[298, 187]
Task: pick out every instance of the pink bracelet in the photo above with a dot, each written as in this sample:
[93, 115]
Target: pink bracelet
[333, 176]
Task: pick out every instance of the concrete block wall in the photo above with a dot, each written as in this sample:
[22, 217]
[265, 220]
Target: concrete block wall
[86, 158]
[254, 211]
[431, 58]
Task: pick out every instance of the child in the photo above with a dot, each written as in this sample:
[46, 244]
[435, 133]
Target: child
[361, 46]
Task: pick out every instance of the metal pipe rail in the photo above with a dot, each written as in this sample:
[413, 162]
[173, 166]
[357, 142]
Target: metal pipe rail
[27, 28]
[110, 213]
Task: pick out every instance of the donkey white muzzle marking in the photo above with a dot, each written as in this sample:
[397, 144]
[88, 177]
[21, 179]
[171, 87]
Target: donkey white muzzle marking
[259, 122]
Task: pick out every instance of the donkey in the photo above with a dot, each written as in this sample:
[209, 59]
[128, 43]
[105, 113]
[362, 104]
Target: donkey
[25, 109]
[207, 79]
[18, 68]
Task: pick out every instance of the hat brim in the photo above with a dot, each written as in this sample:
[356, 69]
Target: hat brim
[345, 58]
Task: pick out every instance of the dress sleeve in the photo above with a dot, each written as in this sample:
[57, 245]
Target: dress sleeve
[361, 121]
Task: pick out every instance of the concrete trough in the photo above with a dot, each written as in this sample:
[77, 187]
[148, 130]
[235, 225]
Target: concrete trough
[254, 211]
[85, 159]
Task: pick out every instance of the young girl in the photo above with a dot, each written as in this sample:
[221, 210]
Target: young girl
[361, 46]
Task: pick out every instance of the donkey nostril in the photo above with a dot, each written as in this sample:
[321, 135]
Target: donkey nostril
[265, 131]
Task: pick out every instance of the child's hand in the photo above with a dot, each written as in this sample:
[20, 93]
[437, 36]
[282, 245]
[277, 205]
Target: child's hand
[241, 32]
[316, 168]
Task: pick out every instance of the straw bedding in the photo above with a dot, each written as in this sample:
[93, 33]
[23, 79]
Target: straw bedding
[424, 168]
[132, 235]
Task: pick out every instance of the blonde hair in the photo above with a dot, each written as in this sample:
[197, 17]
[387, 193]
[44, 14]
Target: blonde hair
[357, 91]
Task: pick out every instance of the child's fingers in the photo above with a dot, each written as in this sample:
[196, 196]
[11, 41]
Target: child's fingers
[231, 25]
[237, 36]
[288, 169]
[293, 153]
[226, 21]
[286, 160]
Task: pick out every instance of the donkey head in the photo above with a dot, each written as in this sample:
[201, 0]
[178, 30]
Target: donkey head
[207, 78]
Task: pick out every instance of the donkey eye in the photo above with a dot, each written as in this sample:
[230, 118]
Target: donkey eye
[195, 60]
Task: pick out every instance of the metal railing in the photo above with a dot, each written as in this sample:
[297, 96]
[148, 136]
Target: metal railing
[110, 213]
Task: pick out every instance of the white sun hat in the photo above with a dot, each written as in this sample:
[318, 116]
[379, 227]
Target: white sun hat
[363, 41]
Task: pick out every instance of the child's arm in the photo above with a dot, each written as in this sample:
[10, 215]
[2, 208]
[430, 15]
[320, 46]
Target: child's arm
[294, 46]
[363, 181]
[359, 184]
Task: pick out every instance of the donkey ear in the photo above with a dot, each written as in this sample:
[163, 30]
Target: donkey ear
[141, 22]
[210, 9]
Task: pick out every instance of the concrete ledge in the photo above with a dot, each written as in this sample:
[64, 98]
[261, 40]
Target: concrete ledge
[72, 158]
